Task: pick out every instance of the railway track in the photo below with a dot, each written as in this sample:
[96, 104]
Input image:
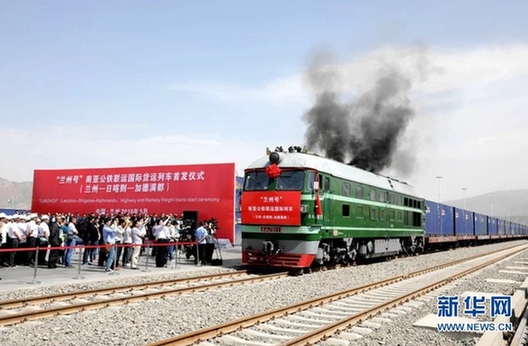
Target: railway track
[35, 308]
[331, 317]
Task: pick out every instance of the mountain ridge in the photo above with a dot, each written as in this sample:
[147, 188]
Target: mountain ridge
[505, 204]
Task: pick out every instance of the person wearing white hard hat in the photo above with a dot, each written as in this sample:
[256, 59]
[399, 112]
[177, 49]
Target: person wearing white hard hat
[32, 237]
[43, 233]
[3, 237]
[13, 233]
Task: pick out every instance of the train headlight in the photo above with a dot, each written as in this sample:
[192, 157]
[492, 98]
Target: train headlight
[274, 157]
[304, 208]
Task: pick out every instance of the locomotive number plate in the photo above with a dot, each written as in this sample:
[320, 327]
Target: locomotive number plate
[270, 229]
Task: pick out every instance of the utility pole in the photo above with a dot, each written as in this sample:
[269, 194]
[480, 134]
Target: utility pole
[464, 218]
[439, 177]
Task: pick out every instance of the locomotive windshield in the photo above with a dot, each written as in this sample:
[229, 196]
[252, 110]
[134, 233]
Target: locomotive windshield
[256, 181]
[290, 181]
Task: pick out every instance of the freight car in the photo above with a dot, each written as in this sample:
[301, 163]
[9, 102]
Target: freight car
[300, 210]
[465, 228]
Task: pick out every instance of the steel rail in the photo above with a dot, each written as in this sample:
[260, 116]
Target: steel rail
[329, 330]
[23, 302]
[140, 296]
[246, 322]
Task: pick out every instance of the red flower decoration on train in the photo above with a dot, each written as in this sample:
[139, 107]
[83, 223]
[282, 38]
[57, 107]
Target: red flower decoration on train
[273, 171]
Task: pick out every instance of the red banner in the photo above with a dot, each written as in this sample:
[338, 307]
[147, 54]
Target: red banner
[208, 189]
[271, 208]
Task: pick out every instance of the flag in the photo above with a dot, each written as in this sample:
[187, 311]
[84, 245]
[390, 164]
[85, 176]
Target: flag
[318, 208]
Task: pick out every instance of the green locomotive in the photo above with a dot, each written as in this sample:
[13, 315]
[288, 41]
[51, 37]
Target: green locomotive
[300, 210]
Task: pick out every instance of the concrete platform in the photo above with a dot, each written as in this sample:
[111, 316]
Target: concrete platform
[21, 277]
[431, 321]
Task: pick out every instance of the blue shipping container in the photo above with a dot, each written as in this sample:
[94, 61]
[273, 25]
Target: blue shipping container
[432, 223]
[501, 226]
[493, 226]
[448, 220]
[462, 226]
[481, 226]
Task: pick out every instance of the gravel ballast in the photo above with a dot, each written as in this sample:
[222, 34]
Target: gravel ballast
[401, 331]
[145, 322]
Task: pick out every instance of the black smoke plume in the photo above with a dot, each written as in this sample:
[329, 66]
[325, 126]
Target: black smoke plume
[366, 130]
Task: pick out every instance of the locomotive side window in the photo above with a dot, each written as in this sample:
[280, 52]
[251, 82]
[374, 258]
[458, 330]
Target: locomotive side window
[382, 197]
[346, 189]
[359, 190]
[290, 181]
[256, 181]
[372, 195]
[400, 200]
[310, 181]
[392, 198]
[382, 215]
[346, 210]
[372, 214]
[327, 184]
[392, 215]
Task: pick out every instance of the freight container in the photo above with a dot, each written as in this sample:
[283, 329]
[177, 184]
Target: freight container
[447, 221]
[432, 223]
[507, 228]
[480, 224]
[460, 226]
[501, 227]
[493, 226]
[469, 225]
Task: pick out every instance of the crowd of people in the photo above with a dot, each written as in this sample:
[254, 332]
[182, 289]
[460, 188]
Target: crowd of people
[121, 239]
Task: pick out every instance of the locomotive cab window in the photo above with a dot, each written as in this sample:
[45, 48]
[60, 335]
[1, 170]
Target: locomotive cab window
[290, 181]
[310, 181]
[256, 181]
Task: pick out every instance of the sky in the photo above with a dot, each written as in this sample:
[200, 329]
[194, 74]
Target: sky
[134, 83]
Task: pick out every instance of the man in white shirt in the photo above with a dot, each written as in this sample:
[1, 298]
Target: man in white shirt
[13, 233]
[3, 239]
[44, 233]
[32, 238]
[161, 232]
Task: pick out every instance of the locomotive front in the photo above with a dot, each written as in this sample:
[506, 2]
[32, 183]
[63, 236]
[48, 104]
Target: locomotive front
[279, 211]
